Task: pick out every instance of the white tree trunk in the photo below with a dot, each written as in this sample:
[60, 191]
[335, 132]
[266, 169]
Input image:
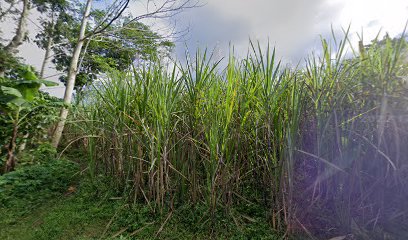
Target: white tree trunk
[71, 76]
[48, 48]
[21, 31]
[46, 57]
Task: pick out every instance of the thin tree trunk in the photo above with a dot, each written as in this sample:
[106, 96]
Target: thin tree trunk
[11, 159]
[23, 142]
[21, 31]
[20, 34]
[47, 49]
[71, 76]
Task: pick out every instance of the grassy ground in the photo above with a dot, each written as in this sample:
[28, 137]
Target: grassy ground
[45, 201]
[60, 218]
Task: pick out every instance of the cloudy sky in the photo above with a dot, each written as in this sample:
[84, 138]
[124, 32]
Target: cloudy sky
[292, 26]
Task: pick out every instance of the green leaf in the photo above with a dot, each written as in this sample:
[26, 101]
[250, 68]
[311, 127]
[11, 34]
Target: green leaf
[29, 93]
[11, 91]
[48, 83]
[18, 102]
[29, 74]
[29, 88]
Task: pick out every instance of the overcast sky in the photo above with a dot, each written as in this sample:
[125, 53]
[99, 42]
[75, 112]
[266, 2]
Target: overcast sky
[292, 26]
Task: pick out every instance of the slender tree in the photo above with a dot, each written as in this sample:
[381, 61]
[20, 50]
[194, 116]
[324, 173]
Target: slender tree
[11, 48]
[21, 31]
[116, 50]
[72, 75]
[165, 9]
[50, 10]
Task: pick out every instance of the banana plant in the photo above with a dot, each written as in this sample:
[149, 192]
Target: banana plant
[16, 95]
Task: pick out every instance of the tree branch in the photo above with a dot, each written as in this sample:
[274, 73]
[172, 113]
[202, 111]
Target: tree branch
[119, 13]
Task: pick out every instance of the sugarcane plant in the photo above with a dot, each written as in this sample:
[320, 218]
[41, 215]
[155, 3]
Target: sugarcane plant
[297, 143]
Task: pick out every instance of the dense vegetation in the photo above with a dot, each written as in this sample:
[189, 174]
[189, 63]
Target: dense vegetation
[320, 149]
[197, 150]
[54, 199]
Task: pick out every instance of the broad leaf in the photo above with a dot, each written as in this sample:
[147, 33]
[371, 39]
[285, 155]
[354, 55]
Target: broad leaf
[11, 91]
[29, 74]
[20, 102]
[49, 83]
[29, 92]
[38, 81]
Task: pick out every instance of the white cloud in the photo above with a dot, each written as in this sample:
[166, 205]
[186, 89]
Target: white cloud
[287, 24]
[293, 26]
[375, 15]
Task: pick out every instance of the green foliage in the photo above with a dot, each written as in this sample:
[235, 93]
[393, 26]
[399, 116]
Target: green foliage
[95, 211]
[313, 146]
[47, 6]
[37, 121]
[39, 153]
[122, 43]
[23, 108]
[36, 203]
[7, 61]
[20, 91]
[36, 183]
[169, 139]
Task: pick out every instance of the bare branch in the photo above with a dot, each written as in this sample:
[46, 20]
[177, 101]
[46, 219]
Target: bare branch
[167, 9]
[102, 27]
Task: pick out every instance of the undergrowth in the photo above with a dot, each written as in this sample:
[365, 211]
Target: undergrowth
[57, 200]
